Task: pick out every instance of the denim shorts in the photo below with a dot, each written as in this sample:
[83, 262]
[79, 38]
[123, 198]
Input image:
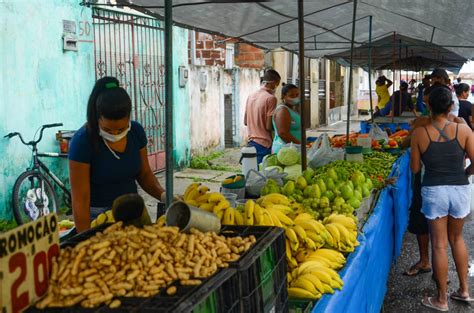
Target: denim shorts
[441, 201]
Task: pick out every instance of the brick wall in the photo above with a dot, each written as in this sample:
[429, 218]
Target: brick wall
[211, 50]
[249, 56]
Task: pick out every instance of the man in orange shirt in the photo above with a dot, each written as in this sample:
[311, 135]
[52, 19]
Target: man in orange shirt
[258, 114]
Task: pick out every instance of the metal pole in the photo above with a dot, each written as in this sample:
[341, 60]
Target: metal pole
[169, 99]
[302, 81]
[370, 70]
[354, 14]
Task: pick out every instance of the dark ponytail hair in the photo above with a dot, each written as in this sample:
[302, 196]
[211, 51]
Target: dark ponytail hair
[460, 88]
[286, 89]
[441, 100]
[107, 100]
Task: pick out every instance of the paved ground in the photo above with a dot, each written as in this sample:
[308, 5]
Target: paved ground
[405, 293]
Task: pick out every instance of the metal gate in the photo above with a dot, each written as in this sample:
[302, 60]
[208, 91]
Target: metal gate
[130, 48]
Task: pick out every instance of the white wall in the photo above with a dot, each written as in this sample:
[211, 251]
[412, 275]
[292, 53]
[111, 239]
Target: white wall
[207, 107]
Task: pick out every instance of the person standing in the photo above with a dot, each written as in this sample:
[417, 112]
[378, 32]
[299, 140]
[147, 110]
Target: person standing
[286, 121]
[442, 146]
[441, 77]
[420, 104]
[258, 114]
[381, 88]
[465, 107]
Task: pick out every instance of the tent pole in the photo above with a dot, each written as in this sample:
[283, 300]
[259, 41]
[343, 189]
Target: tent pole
[370, 70]
[348, 129]
[392, 111]
[169, 99]
[399, 86]
[302, 81]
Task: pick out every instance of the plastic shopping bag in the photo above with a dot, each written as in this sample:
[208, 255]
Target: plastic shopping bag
[321, 153]
[378, 133]
[255, 180]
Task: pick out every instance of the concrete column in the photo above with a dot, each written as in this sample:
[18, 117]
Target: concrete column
[328, 88]
[280, 64]
[314, 73]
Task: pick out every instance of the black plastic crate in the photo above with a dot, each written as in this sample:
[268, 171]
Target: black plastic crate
[217, 294]
[261, 271]
[300, 306]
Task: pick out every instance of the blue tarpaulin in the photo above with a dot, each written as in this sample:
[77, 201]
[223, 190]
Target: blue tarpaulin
[366, 272]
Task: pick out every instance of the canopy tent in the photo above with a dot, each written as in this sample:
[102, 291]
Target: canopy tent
[403, 53]
[324, 28]
[327, 23]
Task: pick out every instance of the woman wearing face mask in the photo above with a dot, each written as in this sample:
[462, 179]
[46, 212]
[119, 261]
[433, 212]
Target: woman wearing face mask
[286, 121]
[108, 155]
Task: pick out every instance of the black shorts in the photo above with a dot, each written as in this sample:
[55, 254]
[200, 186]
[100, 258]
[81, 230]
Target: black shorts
[417, 224]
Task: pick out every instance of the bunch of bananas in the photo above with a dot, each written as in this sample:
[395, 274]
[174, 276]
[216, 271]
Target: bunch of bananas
[343, 232]
[102, 218]
[312, 279]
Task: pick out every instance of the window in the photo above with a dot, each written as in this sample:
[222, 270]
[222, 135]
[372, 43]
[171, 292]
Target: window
[229, 55]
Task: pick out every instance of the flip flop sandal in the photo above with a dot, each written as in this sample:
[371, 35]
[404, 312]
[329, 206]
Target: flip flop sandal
[456, 296]
[430, 305]
[414, 271]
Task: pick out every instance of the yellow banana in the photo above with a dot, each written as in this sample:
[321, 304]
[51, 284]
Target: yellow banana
[299, 293]
[203, 190]
[345, 235]
[310, 244]
[258, 214]
[291, 235]
[289, 278]
[334, 231]
[330, 254]
[215, 197]
[277, 198]
[190, 188]
[275, 220]
[267, 219]
[303, 217]
[304, 283]
[207, 207]
[282, 208]
[220, 214]
[315, 281]
[93, 223]
[239, 219]
[348, 222]
[192, 195]
[282, 217]
[203, 198]
[300, 232]
[229, 216]
[221, 206]
[292, 263]
[248, 212]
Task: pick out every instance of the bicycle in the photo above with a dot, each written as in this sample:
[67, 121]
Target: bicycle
[33, 194]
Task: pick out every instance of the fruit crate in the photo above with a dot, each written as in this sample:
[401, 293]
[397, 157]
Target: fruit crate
[261, 271]
[300, 306]
[212, 296]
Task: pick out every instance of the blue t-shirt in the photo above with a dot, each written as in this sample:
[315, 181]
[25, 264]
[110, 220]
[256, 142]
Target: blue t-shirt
[109, 176]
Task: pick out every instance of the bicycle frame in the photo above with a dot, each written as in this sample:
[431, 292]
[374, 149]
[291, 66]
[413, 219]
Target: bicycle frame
[37, 165]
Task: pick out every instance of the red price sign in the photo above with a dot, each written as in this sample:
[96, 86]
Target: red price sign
[26, 255]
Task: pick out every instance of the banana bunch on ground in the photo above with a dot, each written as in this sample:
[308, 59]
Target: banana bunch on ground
[343, 232]
[312, 278]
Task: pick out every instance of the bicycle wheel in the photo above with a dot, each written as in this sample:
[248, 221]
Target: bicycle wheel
[33, 197]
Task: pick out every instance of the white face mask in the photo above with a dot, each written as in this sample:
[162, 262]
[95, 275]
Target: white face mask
[270, 90]
[294, 101]
[114, 138]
